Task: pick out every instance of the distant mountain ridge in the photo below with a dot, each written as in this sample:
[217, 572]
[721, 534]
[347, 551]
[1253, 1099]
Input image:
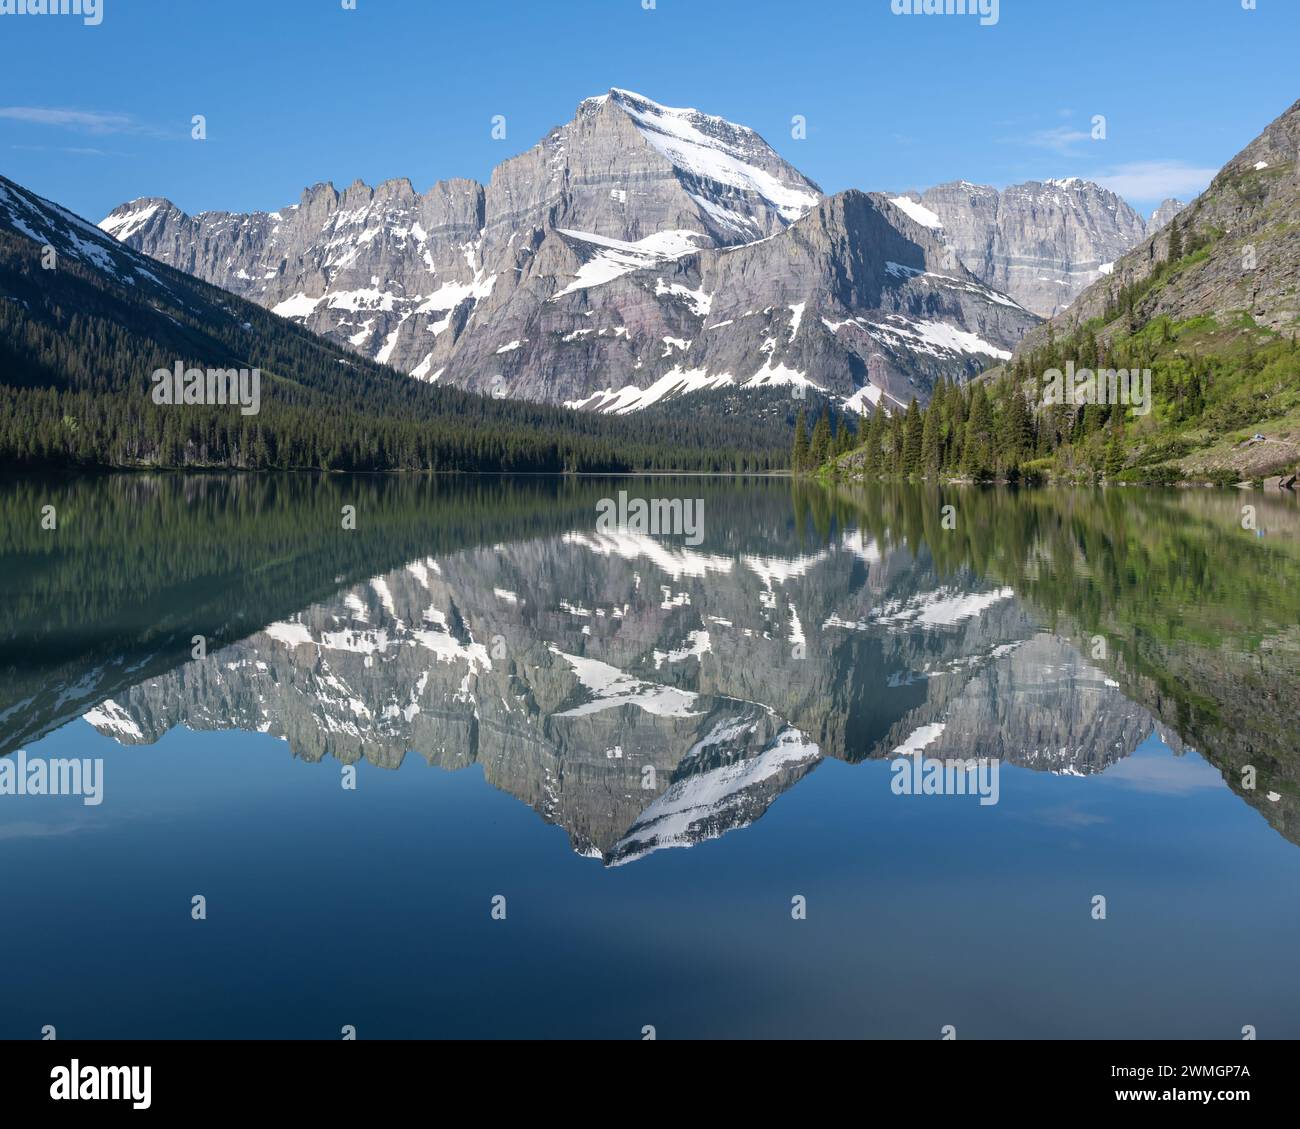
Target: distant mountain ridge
[1041, 242]
[635, 253]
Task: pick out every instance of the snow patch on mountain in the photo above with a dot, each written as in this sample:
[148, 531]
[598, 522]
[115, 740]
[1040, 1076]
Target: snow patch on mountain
[671, 561]
[615, 258]
[629, 399]
[931, 610]
[122, 227]
[611, 688]
[864, 400]
[918, 212]
[299, 306]
[712, 148]
[934, 337]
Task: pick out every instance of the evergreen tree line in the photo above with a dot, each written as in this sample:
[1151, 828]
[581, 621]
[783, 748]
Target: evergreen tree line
[970, 430]
[833, 434]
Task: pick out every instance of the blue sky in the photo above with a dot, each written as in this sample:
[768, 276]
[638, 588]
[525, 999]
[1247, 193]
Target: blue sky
[300, 91]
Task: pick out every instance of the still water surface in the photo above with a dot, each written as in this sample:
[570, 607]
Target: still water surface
[655, 751]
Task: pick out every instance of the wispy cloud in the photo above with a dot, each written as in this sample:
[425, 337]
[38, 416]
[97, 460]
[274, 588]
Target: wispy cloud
[1165, 774]
[1068, 817]
[85, 121]
[1059, 139]
[32, 830]
[1156, 180]
[75, 150]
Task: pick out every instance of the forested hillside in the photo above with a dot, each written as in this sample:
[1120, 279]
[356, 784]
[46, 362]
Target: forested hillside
[79, 342]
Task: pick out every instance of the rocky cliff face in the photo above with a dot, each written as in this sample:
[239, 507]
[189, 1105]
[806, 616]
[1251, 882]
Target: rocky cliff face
[853, 299]
[636, 253]
[1042, 242]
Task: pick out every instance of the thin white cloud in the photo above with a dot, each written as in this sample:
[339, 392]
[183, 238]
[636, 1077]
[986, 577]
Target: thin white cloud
[32, 830]
[1068, 817]
[75, 150]
[88, 121]
[1060, 139]
[1156, 180]
[1165, 774]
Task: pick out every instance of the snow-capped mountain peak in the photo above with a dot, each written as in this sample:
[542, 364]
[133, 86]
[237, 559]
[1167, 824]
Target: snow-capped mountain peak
[635, 253]
[715, 150]
[736, 185]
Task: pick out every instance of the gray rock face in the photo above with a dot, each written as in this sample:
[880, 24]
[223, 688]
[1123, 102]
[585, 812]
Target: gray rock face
[1161, 217]
[1041, 242]
[852, 299]
[365, 256]
[635, 253]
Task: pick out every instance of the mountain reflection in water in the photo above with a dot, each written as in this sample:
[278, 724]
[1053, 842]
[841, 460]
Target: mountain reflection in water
[642, 693]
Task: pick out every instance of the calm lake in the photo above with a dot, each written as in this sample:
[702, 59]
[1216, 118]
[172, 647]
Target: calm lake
[461, 758]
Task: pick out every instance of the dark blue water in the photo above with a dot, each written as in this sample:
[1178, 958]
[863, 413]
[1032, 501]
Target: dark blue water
[372, 907]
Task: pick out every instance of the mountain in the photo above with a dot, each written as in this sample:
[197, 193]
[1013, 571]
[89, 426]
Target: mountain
[634, 254]
[1041, 242]
[1162, 216]
[85, 322]
[854, 300]
[1210, 304]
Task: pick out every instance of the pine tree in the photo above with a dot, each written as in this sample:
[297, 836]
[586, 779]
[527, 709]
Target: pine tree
[912, 439]
[1115, 451]
[939, 405]
[1175, 242]
[977, 457]
[1018, 433]
[845, 437]
[875, 442]
[956, 427]
[799, 455]
[820, 447]
[896, 441]
[931, 449]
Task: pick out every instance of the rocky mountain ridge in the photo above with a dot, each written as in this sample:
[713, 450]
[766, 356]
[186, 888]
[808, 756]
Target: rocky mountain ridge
[635, 253]
[1041, 242]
